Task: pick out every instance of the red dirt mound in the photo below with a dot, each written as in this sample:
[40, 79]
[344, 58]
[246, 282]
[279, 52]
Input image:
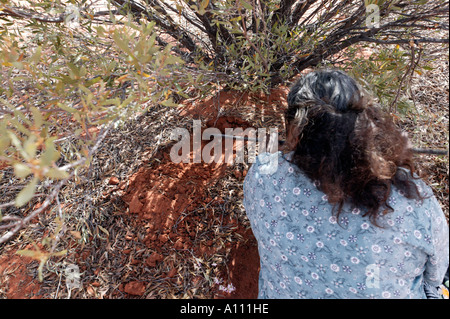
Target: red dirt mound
[165, 195]
[161, 195]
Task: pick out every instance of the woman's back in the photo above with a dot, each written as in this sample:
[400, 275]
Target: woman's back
[306, 252]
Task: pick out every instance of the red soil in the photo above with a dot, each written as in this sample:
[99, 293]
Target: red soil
[15, 281]
[165, 196]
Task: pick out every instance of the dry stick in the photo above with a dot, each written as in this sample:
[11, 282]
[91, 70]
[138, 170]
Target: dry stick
[410, 69]
[430, 151]
[22, 14]
[21, 223]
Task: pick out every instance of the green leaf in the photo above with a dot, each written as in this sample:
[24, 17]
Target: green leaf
[172, 59]
[15, 141]
[4, 140]
[37, 115]
[29, 253]
[202, 9]
[18, 125]
[92, 81]
[30, 146]
[121, 43]
[60, 253]
[18, 65]
[36, 57]
[41, 268]
[74, 71]
[246, 5]
[26, 193]
[56, 173]
[21, 170]
[50, 154]
[67, 108]
[169, 103]
[103, 230]
[204, 4]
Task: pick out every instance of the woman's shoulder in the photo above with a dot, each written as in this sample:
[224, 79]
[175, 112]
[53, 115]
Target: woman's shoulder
[273, 170]
[424, 190]
[270, 164]
[421, 212]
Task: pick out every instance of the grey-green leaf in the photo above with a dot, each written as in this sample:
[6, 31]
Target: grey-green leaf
[26, 193]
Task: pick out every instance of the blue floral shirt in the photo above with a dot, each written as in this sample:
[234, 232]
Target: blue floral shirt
[306, 252]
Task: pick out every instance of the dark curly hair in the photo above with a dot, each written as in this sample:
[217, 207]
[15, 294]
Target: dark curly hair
[347, 144]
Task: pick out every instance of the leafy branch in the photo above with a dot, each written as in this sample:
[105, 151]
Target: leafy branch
[17, 223]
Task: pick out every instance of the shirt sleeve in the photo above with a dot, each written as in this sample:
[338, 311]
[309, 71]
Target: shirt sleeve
[438, 261]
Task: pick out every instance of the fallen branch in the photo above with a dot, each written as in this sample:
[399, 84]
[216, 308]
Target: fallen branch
[430, 151]
[22, 14]
[404, 41]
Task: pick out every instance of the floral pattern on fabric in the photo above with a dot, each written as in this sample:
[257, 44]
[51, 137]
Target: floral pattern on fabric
[306, 252]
